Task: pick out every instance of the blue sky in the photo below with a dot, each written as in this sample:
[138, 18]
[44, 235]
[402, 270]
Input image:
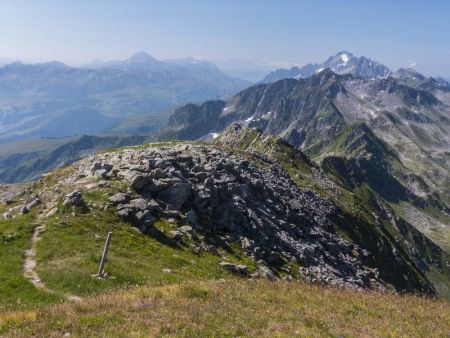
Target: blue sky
[396, 33]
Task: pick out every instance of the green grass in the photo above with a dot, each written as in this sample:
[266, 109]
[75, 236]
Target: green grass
[159, 288]
[439, 235]
[16, 292]
[249, 138]
[239, 308]
[437, 214]
[71, 247]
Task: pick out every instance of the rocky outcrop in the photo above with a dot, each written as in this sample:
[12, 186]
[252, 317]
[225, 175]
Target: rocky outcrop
[226, 198]
[76, 201]
[238, 269]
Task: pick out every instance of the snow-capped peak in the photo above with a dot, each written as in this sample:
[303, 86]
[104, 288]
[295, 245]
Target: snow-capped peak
[345, 57]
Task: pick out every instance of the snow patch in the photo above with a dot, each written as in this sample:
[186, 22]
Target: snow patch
[214, 135]
[345, 58]
[267, 115]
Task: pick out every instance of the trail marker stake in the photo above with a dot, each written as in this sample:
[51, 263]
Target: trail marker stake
[100, 272]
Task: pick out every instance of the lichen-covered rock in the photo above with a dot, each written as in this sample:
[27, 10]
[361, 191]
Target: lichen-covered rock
[32, 202]
[138, 180]
[75, 199]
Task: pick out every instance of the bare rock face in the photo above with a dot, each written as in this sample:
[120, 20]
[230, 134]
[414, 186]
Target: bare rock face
[225, 197]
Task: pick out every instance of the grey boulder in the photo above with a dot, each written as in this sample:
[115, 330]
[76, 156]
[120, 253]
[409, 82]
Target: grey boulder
[176, 194]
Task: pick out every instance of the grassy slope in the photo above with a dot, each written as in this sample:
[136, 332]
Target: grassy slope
[236, 308]
[15, 291]
[439, 235]
[71, 247]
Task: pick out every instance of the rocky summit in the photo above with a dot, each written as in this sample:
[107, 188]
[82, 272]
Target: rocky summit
[220, 196]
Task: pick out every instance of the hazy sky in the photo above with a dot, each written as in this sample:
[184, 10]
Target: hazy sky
[396, 33]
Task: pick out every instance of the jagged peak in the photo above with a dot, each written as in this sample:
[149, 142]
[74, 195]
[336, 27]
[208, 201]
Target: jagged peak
[344, 52]
[343, 62]
[344, 55]
[328, 73]
[325, 72]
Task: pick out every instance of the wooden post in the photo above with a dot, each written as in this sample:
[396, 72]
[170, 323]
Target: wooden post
[100, 272]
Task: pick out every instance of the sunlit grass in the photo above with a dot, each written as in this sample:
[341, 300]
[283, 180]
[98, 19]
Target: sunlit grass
[234, 308]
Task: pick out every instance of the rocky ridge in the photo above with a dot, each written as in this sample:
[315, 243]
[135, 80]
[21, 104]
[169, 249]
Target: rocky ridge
[250, 192]
[220, 197]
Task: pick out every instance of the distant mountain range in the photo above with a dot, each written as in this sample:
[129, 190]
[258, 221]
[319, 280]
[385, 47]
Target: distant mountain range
[53, 100]
[341, 63]
[405, 109]
[388, 135]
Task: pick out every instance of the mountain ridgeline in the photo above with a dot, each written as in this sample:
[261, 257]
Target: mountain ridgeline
[54, 100]
[341, 63]
[314, 113]
[385, 140]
